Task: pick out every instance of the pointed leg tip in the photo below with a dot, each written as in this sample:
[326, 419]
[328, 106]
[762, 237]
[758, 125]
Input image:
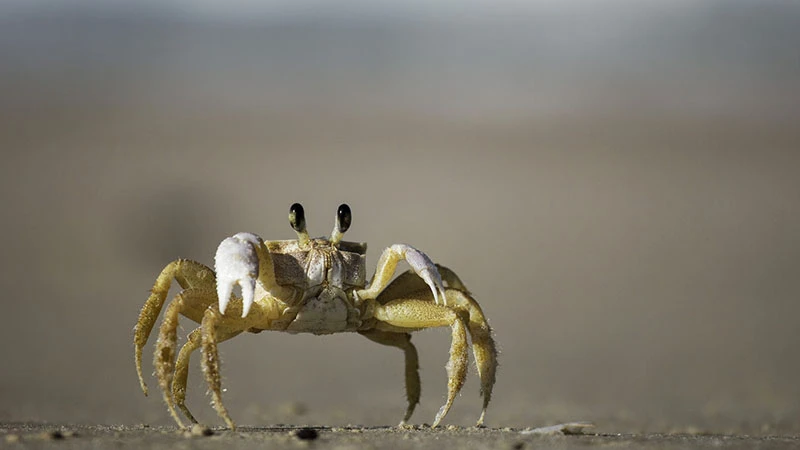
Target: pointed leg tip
[480, 420]
[438, 419]
[143, 385]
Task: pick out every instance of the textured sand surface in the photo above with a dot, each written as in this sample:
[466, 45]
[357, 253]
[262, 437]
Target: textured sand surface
[68, 437]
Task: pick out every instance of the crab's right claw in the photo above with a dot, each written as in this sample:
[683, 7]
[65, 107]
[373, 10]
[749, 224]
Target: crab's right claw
[236, 262]
[425, 268]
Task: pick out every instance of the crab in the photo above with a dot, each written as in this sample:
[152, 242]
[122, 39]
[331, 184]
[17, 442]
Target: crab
[317, 286]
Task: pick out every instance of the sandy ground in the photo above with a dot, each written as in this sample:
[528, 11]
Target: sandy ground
[354, 437]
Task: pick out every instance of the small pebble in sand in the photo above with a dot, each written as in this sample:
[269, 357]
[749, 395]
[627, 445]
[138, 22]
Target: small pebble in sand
[306, 434]
[54, 435]
[198, 430]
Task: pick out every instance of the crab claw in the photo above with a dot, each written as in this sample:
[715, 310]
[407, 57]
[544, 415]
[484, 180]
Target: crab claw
[236, 262]
[425, 268]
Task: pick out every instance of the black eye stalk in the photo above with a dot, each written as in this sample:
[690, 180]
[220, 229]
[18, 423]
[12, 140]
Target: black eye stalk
[343, 217]
[297, 219]
[343, 220]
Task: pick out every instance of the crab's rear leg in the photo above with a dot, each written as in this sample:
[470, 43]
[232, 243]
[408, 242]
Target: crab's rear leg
[483, 346]
[188, 274]
[484, 349]
[403, 342]
[416, 314]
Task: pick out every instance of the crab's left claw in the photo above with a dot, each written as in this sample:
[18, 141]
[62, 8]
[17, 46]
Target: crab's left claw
[236, 262]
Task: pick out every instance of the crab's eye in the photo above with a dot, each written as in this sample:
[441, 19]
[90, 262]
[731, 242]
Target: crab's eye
[343, 217]
[297, 217]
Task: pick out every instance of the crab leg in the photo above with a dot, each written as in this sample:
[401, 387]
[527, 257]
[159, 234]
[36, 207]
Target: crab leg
[210, 363]
[403, 342]
[416, 313]
[483, 346]
[420, 263]
[198, 304]
[188, 274]
[172, 376]
[181, 376]
[164, 359]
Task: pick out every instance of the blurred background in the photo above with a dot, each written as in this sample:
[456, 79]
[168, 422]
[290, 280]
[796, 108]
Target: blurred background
[616, 181]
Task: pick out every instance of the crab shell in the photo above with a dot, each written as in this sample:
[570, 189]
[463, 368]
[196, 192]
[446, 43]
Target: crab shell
[324, 277]
[305, 268]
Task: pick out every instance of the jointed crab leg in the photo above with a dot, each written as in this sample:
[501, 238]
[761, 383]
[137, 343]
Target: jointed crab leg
[403, 342]
[484, 350]
[164, 360]
[181, 376]
[200, 305]
[417, 313]
[190, 303]
[188, 274]
[210, 363]
[483, 346]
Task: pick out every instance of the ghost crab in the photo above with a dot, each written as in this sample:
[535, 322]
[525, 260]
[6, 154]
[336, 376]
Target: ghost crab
[314, 286]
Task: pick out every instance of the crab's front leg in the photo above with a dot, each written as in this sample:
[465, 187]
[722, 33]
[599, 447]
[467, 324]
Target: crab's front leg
[420, 263]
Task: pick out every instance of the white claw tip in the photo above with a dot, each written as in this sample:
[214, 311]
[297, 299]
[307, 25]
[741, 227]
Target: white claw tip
[248, 291]
[236, 262]
[224, 295]
[425, 268]
[434, 281]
